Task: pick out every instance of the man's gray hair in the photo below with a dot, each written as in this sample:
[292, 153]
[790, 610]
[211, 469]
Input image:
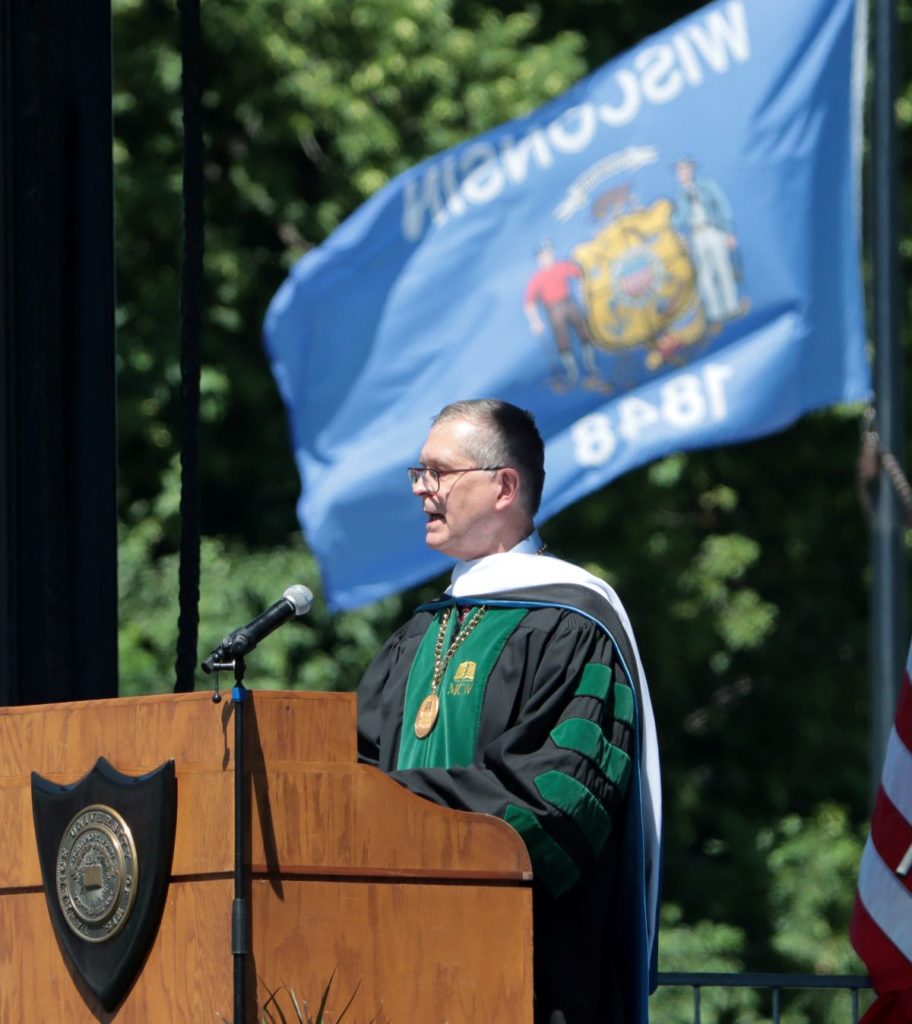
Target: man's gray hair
[508, 437]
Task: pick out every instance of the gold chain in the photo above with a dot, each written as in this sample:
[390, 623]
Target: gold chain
[462, 633]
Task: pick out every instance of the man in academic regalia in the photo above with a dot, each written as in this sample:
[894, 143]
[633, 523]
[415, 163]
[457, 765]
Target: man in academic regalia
[520, 693]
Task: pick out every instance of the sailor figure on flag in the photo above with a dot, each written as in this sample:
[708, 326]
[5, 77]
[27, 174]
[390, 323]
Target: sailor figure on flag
[550, 286]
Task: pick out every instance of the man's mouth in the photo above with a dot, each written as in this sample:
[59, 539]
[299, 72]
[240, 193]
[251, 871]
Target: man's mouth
[434, 517]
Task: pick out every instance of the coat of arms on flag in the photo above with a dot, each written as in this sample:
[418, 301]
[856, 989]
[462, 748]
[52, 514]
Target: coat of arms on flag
[640, 284]
[658, 281]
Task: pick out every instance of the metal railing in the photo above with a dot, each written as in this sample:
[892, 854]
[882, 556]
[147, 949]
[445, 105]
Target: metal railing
[775, 984]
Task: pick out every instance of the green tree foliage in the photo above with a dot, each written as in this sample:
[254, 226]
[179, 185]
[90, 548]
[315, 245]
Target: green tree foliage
[320, 652]
[703, 946]
[309, 108]
[745, 570]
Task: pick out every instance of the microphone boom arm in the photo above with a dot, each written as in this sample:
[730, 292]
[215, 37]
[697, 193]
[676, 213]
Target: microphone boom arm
[295, 602]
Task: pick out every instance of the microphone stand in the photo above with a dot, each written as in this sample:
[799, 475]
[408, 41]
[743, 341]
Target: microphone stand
[240, 921]
[230, 654]
[239, 915]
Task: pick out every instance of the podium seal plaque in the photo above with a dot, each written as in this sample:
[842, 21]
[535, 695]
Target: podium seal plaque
[97, 873]
[105, 844]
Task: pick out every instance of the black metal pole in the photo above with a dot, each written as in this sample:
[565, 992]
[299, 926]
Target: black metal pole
[191, 345]
[239, 922]
[888, 607]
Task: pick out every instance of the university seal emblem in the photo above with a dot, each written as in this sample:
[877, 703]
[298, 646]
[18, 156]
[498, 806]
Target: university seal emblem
[105, 845]
[97, 873]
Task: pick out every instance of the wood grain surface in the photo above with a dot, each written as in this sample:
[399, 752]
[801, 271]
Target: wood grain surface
[422, 913]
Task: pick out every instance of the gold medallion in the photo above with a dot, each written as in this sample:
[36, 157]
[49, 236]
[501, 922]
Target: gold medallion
[426, 718]
[97, 873]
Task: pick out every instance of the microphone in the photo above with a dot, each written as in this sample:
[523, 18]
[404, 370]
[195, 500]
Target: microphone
[296, 601]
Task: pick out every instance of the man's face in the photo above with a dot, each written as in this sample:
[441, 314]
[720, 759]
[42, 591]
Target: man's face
[685, 173]
[461, 520]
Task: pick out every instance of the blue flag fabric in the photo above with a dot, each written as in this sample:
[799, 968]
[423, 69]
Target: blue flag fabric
[666, 257]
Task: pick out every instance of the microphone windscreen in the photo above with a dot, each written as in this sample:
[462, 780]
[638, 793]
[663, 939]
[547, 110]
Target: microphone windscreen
[300, 597]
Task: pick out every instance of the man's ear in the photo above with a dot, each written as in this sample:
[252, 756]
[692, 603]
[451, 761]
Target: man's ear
[510, 482]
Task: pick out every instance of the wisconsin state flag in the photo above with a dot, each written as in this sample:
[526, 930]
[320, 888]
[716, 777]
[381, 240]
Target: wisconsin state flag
[664, 258]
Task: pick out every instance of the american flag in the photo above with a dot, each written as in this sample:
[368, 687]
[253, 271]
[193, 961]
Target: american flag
[881, 928]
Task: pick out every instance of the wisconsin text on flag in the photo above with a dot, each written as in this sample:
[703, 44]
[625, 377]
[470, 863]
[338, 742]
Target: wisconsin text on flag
[481, 171]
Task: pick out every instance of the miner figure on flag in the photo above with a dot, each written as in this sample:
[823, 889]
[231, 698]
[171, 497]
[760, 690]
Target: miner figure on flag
[704, 218]
[881, 928]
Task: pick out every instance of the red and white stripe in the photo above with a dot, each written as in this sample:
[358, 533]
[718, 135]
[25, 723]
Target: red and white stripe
[881, 928]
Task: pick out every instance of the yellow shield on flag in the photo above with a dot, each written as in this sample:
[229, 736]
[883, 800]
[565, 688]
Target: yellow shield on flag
[639, 284]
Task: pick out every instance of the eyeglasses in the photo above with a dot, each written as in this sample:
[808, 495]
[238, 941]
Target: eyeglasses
[430, 478]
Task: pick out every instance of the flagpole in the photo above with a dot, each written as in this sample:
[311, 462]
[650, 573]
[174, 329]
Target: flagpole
[889, 628]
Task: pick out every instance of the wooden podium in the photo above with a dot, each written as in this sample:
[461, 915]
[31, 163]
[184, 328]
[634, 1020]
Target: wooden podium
[423, 913]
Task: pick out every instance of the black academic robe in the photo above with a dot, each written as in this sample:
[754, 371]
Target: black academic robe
[534, 687]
